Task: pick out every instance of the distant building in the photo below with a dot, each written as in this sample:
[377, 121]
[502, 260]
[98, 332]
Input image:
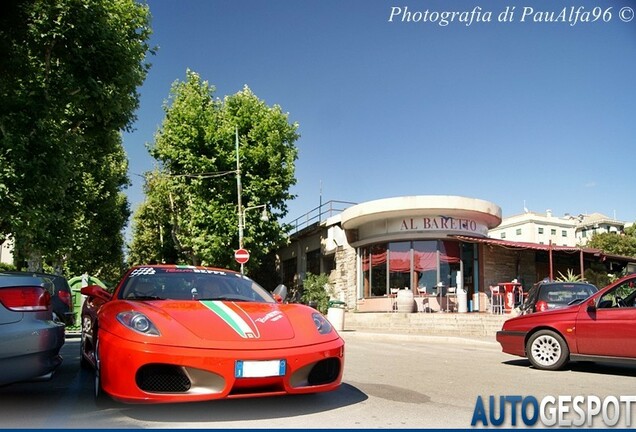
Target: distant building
[596, 223]
[6, 252]
[546, 228]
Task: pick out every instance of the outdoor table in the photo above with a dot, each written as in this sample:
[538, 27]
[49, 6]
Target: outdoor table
[510, 290]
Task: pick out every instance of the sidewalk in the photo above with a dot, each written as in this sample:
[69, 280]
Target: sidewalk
[350, 335]
[480, 327]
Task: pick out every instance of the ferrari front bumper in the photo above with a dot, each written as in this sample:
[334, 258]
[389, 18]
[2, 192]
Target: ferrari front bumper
[136, 372]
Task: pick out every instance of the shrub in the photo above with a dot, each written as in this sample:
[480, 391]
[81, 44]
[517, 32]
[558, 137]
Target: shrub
[597, 275]
[316, 289]
[6, 267]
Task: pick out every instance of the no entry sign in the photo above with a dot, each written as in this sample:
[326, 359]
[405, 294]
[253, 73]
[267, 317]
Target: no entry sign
[241, 256]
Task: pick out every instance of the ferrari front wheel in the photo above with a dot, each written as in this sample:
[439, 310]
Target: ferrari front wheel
[100, 397]
[547, 350]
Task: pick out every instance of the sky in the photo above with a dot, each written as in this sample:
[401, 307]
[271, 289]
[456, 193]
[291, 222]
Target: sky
[495, 102]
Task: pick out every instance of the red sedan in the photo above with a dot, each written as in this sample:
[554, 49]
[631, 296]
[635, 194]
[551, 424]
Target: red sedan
[181, 333]
[601, 328]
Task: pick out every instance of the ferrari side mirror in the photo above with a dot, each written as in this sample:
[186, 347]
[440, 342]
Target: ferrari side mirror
[96, 291]
[280, 293]
[591, 306]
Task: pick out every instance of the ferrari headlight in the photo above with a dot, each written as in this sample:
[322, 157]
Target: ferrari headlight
[138, 322]
[322, 325]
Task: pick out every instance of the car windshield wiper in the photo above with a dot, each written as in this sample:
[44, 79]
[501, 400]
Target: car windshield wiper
[228, 298]
[147, 297]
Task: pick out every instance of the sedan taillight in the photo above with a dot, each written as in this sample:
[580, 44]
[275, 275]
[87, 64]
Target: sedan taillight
[25, 299]
[65, 296]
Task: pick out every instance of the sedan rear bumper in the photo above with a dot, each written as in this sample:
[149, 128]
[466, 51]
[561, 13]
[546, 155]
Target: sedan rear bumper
[30, 351]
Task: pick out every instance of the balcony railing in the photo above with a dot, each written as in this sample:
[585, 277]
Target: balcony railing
[319, 214]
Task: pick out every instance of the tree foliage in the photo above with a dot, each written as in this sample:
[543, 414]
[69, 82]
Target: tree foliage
[192, 200]
[152, 231]
[69, 75]
[623, 244]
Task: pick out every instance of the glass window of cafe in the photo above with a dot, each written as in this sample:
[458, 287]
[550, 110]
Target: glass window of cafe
[420, 264]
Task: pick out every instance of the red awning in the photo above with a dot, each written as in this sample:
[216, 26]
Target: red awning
[528, 245]
[548, 248]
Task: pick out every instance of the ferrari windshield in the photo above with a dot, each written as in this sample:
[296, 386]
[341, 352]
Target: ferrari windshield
[187, 283]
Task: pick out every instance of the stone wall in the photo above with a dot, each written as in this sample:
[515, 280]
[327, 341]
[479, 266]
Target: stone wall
[440, 324]
[343, 277]
[503, 265]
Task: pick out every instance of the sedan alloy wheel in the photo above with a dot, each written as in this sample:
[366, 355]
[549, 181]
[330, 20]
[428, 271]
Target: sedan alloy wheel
[547, 350]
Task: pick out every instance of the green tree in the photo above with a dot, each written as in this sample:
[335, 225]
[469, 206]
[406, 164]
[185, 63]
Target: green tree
[69, 75]
[97, 245]
[197, 196]
[623, 244]
[152, 231]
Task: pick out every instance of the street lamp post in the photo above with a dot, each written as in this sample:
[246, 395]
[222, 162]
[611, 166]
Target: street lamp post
[241, 210]
[239, 192]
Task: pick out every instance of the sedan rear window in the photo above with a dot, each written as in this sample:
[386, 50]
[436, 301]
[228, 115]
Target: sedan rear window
[565, 293]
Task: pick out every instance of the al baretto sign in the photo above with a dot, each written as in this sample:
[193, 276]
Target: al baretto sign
[441, 223]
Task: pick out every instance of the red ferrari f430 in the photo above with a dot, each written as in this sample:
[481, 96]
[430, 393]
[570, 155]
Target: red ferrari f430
[171, 333]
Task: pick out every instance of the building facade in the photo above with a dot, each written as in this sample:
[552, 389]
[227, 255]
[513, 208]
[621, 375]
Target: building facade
[372, 249]
[431, 247]
[411, 244]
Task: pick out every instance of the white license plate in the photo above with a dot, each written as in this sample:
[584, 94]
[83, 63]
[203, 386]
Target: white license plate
[259, 369]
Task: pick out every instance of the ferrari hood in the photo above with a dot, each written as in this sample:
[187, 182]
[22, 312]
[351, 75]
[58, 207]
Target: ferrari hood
[214, 320]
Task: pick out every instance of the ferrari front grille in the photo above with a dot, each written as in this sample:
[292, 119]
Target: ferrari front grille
[161, 378]
[324, 372]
